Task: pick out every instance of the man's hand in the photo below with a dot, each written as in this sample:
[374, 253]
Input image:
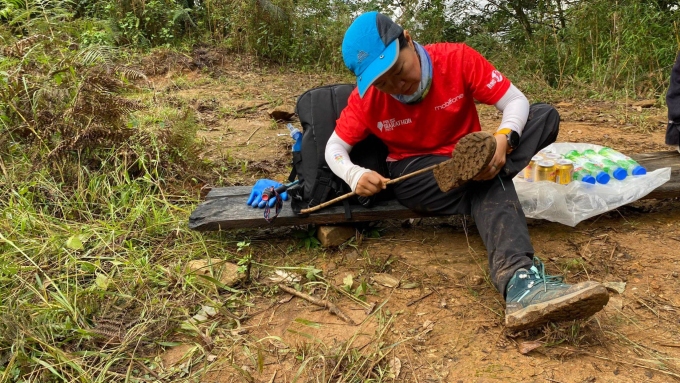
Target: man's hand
[498, 160]
[255, 199]
[370, 183]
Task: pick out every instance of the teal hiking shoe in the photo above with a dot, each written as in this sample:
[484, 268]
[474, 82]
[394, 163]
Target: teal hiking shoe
[534, 299]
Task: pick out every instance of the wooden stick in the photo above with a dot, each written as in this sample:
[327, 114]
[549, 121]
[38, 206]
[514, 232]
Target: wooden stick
[352, 194]
[414, 301]
[319, 302]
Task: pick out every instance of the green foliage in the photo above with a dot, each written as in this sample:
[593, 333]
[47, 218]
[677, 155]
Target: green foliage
[307, 238]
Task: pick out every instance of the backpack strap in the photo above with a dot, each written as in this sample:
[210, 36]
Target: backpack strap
[322, 186]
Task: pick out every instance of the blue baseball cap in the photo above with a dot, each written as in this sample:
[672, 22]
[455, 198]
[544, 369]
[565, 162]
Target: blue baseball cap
[371, 47]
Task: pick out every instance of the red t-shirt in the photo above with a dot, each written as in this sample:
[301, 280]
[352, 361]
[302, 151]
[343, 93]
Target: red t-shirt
[460, 75]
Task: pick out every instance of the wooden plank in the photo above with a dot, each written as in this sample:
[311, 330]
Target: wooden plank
[225, 208]
[232, 213]
[658, 160]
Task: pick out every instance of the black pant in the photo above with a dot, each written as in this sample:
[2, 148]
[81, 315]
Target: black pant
[493, 204]
[673, 103]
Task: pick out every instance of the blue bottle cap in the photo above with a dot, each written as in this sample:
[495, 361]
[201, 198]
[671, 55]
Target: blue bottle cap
[588, 179]
[620, 174]
[602, 178]
[639, 171]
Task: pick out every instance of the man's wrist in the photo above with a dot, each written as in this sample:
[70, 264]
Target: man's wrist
[502, 142]
[511, 138]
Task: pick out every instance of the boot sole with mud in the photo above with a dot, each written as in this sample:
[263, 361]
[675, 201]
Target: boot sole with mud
[471, 155]
[581, 304]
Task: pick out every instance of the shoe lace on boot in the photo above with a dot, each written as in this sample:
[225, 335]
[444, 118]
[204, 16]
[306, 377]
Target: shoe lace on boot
[539, 276]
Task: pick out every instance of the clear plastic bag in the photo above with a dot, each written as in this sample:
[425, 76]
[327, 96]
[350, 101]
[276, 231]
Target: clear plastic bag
[572, 203]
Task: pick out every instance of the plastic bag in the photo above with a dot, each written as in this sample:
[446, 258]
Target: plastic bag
[572, 203]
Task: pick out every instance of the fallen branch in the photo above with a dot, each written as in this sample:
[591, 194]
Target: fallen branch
[319, 302]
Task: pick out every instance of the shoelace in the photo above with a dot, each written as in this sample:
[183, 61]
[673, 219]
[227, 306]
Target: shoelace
[539, 269]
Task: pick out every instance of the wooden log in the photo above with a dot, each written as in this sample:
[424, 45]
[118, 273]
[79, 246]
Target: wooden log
[658, 160]
[225, 208]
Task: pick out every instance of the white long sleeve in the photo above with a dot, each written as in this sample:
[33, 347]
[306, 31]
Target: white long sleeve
[337, 158]
[515, 108]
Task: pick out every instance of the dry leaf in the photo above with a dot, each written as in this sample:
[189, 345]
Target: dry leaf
[527, 347]
[411, 285]
[395, 367]
[386, 280]
[284, 276]
[428, 326]
[443, 303]
[370, 308]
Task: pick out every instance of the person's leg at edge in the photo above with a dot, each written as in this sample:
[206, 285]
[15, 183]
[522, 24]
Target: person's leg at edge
[495, 207]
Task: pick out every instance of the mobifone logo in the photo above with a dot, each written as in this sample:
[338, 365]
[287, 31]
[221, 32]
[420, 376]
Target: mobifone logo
[449, 102]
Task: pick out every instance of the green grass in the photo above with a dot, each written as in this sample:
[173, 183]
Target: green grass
[91, 274]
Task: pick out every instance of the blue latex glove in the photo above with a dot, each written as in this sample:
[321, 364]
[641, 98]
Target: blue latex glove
[255, 199]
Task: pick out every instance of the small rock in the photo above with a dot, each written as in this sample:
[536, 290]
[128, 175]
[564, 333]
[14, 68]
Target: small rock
[617, 287]
[526, 347]
[225, 272]
[477, 280]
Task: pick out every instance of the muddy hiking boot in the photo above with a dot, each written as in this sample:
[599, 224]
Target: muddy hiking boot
[471, 155]
[534, 299]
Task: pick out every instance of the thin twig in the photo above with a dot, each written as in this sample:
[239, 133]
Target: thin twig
[332, 308]
[252, 107]
[414, 301]
[251, 135]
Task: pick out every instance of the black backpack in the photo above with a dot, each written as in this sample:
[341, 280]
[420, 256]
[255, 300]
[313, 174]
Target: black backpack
[318, 109]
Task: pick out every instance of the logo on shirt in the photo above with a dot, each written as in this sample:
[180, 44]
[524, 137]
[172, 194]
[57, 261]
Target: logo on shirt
[361, 55]
[496, 77]
[389, 125]
[449, 102]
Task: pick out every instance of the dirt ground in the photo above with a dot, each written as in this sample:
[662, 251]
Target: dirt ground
[444, 320]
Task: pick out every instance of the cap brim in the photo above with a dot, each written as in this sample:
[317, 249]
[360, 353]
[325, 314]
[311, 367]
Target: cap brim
[378, 67]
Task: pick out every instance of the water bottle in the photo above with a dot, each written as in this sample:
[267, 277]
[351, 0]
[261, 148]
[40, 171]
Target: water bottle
[581, 174]
[296, 135]
[632, 167]
[583, 166]
[609, 166]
